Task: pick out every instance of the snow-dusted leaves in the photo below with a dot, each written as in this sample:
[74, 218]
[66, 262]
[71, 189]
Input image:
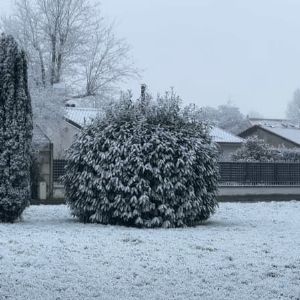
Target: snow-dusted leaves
[140, 174]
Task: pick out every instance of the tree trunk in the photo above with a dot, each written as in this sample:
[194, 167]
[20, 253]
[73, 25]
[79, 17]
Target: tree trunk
[53, 59]
[58, 68]
[42, 65]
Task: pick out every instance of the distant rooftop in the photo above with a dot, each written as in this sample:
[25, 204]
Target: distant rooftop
[285, 128]
[89, 101]
[221, 136]
[82, 116]
[274, 123]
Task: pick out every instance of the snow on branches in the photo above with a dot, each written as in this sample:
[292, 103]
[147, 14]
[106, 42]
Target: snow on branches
[15, 131]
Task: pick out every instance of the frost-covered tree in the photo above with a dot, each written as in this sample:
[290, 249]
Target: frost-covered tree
[63, 37]
[231, 119]
[255, 114]
[293, 109]
[25, 26]
[106, 61]
[208, 114]
[15, 131]
[285, 154]
[225, 116]
[142, 166]
[255, 149]
[48, 109]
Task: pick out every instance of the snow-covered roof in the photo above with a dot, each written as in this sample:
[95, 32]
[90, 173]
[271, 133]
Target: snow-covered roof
[287, 129]
[274, 123]
[82, 116]
[97, 101]
[291, 134]
[221, 136]
[85, 102]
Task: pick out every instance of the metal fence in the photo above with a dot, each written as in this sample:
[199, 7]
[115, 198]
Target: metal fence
[256, 173]
[237, 173]
[58, 169]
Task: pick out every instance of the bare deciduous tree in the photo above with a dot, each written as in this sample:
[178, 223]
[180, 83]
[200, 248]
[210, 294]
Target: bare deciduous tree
[24, 25]
[107, 61]
[225, 116]
[48, 108]
[70, 36]
[65, 24]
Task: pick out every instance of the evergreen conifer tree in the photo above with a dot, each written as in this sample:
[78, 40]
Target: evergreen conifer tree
[15, 131]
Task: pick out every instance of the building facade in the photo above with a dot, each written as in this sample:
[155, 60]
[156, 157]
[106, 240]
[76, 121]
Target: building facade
[278, 133]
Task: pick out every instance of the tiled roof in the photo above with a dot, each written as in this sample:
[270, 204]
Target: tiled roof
[82, 116]
[221, 136]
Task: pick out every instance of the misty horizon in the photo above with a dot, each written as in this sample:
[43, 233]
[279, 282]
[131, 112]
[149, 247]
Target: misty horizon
[212, 52]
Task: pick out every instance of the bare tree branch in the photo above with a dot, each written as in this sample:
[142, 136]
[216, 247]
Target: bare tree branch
[63, 37]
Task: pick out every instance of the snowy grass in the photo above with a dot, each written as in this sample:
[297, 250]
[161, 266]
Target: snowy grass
[246, 251]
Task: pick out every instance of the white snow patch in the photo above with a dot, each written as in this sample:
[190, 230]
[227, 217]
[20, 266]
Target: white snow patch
[246, 251]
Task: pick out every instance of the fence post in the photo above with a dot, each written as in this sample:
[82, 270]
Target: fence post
[276, 173]
[51, 185]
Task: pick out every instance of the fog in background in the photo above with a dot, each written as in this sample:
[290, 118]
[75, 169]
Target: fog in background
[213, 51]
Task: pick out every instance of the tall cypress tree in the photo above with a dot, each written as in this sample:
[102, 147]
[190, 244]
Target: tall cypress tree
[15, 131]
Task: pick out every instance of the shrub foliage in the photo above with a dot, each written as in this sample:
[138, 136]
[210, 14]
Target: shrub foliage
[257, 150]
[141, 166]
[15, 131]
[254, 149]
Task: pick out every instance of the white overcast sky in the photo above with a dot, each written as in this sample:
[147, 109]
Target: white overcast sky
[212, 51]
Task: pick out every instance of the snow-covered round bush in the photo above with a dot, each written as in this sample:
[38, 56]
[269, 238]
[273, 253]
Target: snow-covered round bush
[139, 167]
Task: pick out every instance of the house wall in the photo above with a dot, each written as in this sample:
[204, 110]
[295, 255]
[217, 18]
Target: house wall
[268, 137]
[45, 166]
[63, 140]
[42, 171]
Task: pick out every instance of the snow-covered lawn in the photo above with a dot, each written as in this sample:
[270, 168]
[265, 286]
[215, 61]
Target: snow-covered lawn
[246, 251]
